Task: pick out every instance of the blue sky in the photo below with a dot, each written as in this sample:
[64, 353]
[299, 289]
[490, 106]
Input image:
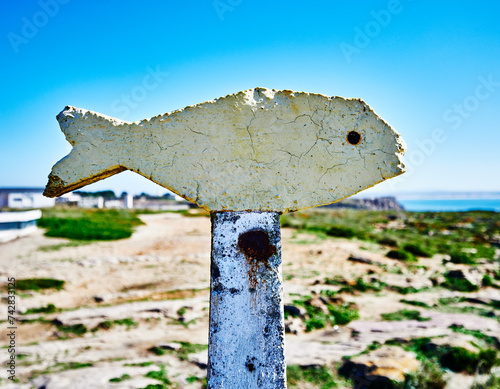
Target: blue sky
[430, 69]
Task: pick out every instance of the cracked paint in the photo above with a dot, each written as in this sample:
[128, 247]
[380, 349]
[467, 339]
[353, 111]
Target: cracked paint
[258, 149]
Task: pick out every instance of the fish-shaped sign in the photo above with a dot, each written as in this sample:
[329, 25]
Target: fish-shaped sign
[259, 149]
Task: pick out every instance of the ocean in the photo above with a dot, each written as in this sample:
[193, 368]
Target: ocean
[450, 205]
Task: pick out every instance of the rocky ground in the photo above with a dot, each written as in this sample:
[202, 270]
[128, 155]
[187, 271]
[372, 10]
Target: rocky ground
[134, 312]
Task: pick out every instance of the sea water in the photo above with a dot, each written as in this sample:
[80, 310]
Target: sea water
[450, 205]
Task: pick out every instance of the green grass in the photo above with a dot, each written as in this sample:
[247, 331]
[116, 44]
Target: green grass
[429, 376]
[50, 308]
[493, 382]
[459, 284]
[463, 258]
[120, 379]
[415, 303]
[320, 376]
[108, 324]
[420, 234]
[183, 352]
[157, 350]
[456, 359]
[60, 367]
[160, 375]
[189, 348]
[89, 224]
[488, 340]
[75, 329]
[57, 247]
[315, 317]
[401, 255]
[417, 250]
[404, 314]
[140, 364]
[39, 283]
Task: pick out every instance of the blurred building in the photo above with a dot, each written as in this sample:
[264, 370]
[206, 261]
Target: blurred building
[24, 198]
[16, 224]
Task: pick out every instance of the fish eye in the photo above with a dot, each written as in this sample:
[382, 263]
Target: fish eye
[354, 137]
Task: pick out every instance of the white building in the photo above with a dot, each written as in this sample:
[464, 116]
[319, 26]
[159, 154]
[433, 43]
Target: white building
[16, 224]
[24, 198]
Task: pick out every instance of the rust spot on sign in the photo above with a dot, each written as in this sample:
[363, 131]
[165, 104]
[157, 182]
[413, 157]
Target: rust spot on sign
[257, 248]
[354, 138]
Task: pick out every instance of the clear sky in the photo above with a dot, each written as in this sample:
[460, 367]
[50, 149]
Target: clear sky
[430, 69]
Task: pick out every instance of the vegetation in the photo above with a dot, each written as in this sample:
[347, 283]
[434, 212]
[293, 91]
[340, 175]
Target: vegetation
[465, 236]
[50, 308]
[108, 324]
[415, 303]
[456, 359]
[404, 314]
[89, 224]
[493, 382]
[57, 247]
[320, 313]
[120, 379]
[429, 376]
[39, 283]
[459, 284]
[160, 375]
[183, 352]
[488, 340]
[61, 366]
[320, 376]
[461, 257]
[75, 329]
[359, 285]
[402, 255]
[459, 359]
[417, 250]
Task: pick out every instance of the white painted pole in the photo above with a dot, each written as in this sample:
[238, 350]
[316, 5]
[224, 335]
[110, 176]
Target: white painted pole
[246, 340]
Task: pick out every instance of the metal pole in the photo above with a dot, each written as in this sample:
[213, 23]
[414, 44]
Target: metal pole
[246, 339]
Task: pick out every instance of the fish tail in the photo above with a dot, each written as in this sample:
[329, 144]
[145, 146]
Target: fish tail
[87, 162]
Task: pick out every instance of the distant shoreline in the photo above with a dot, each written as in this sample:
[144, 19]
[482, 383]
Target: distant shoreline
[442, 195]
[450, 205]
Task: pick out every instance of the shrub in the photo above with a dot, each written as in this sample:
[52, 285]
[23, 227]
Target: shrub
[120, 379]
[417, 250]
[461, 257]
[487, 281]
[415, 303]
[459, 284]
[39, 283]
[403, 314]
[429, 376]
[50, 308]
[316, 322]
[487, 360]
[458, 359]
[77, 329]
[161, 376]
[401, 255]
[341, 232]
[342, 314]
[493, 382]
[388, 242]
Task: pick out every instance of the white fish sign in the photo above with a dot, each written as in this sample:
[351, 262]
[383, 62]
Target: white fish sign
[259, 150]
